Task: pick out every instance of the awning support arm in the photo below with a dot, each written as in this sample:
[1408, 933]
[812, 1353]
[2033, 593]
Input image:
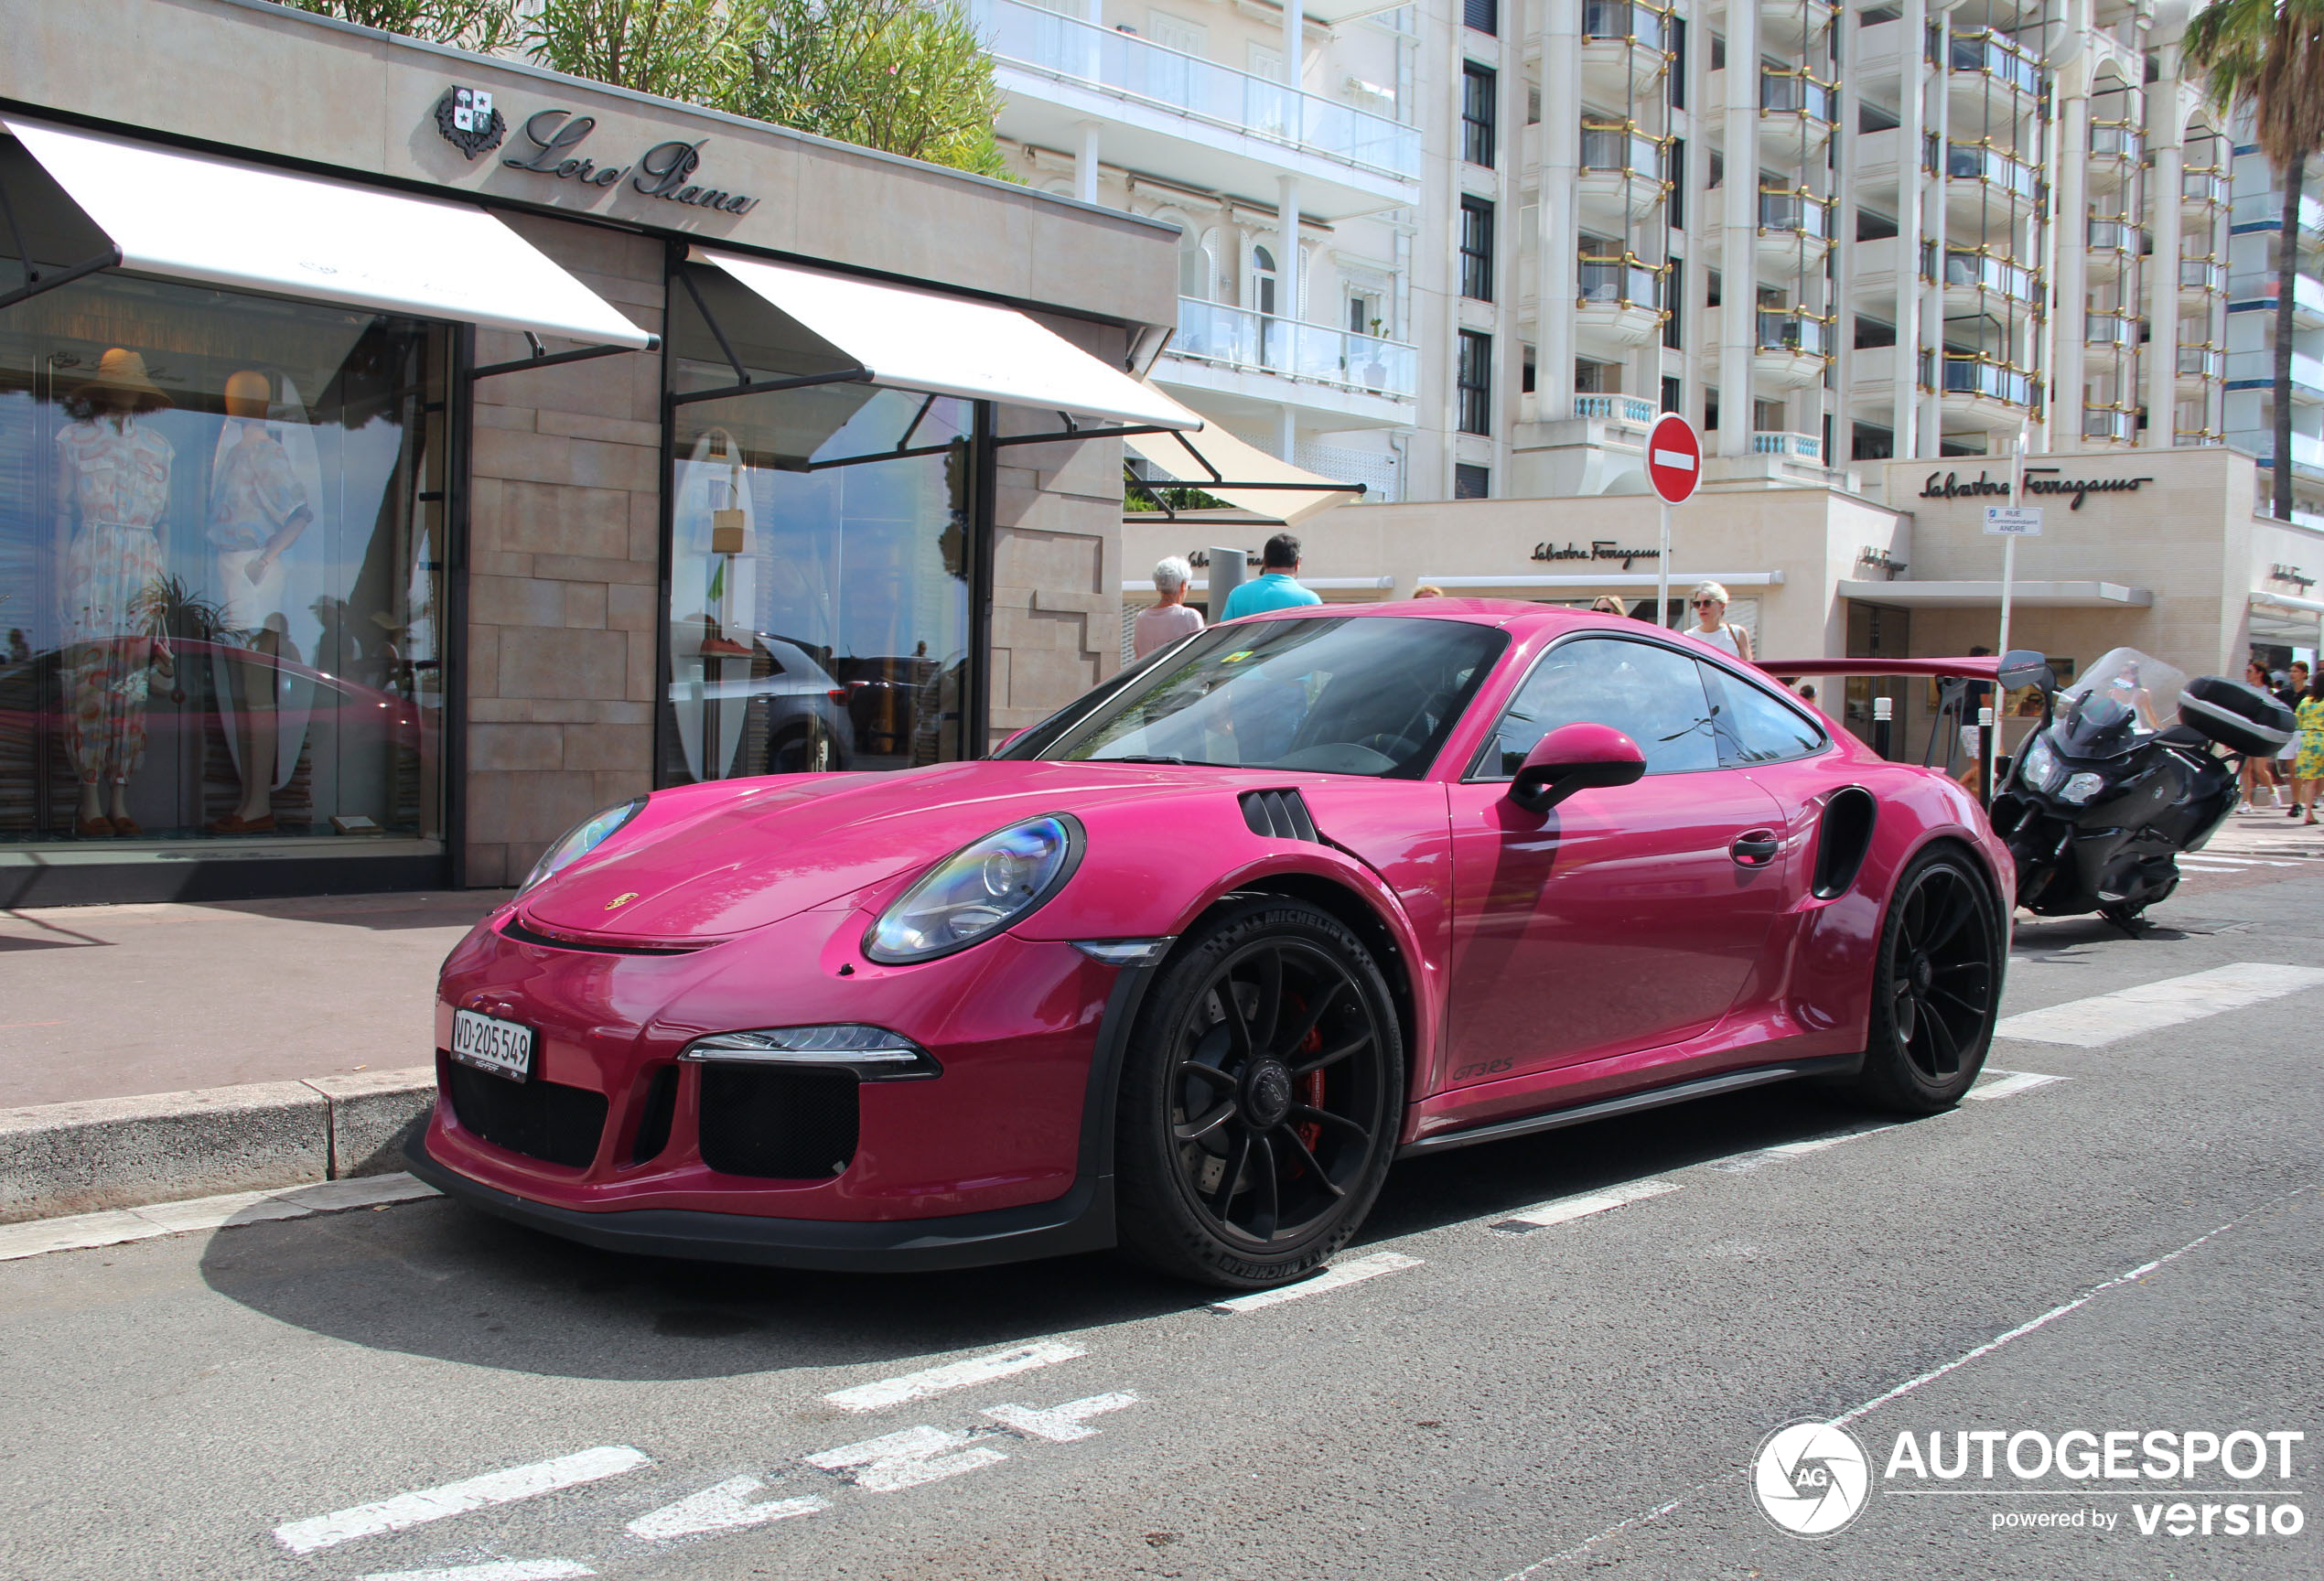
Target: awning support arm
[1169, 512]
[41, 282]
[742, 374]
[768, 386]
[15, 232]
[541, 359]
[917, 418]
[1082, 434]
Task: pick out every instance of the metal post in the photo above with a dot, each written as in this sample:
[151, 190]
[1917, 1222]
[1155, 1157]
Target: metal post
[1662, 572]
[1884, 708]
[1226, 576]
[2008, 584]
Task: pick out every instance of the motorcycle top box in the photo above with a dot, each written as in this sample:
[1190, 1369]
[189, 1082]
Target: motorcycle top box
[2236, 714]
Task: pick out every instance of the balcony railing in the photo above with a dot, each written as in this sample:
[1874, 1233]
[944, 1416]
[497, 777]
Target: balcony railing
[2108, 423]
[2204, 362]
[1242, 338]
[1066, 46]
[1635, 410]
[1982, 162]
[2118, 236]
[1999, 56]
[2117, 140]
[1974, 373]
[1802, 447]
[2202, 274]
[1795, 212]
[2204, 184]
[1794, 92]
[1622, 150]
[1977, 268]
[1621, 282]
[1615, 21]
[2110, 330]
[1794, 330]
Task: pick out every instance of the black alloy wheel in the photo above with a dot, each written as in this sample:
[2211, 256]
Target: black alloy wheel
[1261, 1098]
[1935, 986]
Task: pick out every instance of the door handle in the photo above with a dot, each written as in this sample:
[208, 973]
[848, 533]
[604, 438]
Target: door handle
[1756, 849]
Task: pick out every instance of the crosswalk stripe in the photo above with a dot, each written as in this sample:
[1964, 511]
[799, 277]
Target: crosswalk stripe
[2104, 1017]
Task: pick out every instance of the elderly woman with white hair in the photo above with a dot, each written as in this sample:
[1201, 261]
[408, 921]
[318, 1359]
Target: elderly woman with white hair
[1167, 618]
[1709, 602]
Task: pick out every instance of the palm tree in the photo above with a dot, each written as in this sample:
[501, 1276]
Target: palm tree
[2267, 57]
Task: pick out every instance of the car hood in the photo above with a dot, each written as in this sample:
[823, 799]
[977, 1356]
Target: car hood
[721, 860]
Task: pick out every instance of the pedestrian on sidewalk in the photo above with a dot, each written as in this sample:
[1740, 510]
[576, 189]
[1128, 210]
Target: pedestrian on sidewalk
[1278, 584]
[2292, 688]
[2308, 767]
[2258, 772]
[1167, 618]
[1711, 626]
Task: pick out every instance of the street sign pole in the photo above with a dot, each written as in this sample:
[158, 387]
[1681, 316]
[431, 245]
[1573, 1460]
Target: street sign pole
[1662, 572]
[2009, 545]
[2013, 523]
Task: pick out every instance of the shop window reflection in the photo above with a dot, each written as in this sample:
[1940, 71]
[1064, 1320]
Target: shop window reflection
[220, 579]
[819, 583]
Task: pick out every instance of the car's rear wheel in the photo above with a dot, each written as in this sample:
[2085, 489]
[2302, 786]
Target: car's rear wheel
[1935, 986]
[1260, 1097]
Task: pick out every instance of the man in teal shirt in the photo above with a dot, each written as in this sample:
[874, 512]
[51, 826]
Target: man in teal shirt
[1277, 586]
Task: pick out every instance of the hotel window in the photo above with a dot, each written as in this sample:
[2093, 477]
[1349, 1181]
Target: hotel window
[1674, 394]
[1477, 98]
[1678, 62]
[1477, 249]
[1675, 204]
[1472, 481]
[1674, 302]
[1527, 378]
[1476, 382]
[1484, 15]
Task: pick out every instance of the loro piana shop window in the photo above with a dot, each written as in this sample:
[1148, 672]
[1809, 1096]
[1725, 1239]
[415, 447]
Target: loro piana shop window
[220, 587]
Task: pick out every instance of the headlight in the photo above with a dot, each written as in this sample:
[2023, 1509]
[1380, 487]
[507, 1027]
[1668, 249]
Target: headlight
[976, 892]
[586, 836]
[873, 1053]
[2082, 788]
[2040, 768]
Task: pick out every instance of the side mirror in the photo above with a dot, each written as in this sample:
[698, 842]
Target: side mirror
[2022, 667]
[1575, 758]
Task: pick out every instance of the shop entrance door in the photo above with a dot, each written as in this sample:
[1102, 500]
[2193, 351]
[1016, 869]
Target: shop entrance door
[1878, 631]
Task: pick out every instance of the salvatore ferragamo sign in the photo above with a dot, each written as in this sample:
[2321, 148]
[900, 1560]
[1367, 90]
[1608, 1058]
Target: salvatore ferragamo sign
[2038, 480]
[552, 143]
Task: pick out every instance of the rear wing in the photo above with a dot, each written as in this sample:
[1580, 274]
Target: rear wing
[1984, 667]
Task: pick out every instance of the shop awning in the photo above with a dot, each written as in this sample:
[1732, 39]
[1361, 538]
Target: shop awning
[223, 223]
[1987, 594]
[911, 340]
[1614, 580]
[1245, 475]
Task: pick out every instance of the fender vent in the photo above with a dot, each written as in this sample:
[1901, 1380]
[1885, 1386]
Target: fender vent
[1842, 839]
[1279, 814]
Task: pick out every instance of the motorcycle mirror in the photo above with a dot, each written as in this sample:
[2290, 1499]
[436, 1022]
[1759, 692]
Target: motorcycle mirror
[2025, 667]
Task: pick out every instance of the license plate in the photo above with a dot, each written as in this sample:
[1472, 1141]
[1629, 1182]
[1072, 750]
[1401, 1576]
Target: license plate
[489, 1043]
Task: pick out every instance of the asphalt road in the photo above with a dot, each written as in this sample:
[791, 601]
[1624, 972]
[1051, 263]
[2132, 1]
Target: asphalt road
[1587, 1397]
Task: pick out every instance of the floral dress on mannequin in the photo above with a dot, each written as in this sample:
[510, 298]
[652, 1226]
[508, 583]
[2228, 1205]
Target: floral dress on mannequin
[115, 470]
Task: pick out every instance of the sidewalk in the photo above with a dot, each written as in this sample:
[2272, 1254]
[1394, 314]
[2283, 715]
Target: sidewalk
[114, 1001]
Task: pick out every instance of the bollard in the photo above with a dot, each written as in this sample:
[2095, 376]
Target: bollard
[1883, 709]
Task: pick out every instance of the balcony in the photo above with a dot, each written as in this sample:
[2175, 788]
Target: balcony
[2117, 148]
[1624, 48]
[1256, 342]
[1975, 384]
[2204, 189]
[1973, 271]
[2199, 364]
[2114, 424]
[2256, 370]
[2258, 291]
[1621, 168]
[1189, 119]
[1619, 302]
[1998, 57]
[2116, 331]
[1988, 191]
[1795, 230]
[2113, 244]
[1629, 411]
[1796, 113]
[1792, 348]
[2200, 281]
[1797, 446]
[2308, 450]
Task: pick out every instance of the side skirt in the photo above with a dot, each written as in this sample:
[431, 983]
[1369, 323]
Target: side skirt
[1632, 1103]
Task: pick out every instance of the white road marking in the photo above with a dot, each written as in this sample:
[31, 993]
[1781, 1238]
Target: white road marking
[952, 1376]
[117, 1227]
[726, 1508]
[1332, 1278]
[906, 1459]
[2104, 1017]
[2009, 1083]
[1059, 1424]
[459, 1498]
[1560, 1209]
[499, 1570]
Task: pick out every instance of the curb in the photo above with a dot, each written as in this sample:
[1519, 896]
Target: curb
[106, 1153]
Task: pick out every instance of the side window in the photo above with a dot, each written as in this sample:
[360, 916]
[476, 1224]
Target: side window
[1652, 695]
[1753, 728]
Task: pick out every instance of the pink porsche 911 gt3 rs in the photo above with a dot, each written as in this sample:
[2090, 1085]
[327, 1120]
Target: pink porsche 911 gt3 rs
[1186, 967]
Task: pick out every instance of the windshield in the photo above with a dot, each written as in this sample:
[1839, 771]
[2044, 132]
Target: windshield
[2120, 702]
[1324, 695]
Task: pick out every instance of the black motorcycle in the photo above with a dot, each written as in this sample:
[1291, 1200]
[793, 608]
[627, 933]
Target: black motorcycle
[2103, 797]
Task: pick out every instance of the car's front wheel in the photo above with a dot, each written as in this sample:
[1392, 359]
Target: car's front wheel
[1935, 986]
[1260, 1098]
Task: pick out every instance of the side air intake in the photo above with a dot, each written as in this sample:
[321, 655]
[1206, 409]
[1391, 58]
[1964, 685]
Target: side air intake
[1841, 840]
[1280, 815]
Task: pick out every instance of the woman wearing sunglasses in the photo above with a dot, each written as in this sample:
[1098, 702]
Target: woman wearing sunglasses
[1709, 600]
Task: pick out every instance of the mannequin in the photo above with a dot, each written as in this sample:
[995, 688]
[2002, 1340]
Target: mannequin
[113, 472]
[258, 508]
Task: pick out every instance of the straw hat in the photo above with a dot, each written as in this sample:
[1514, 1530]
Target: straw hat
[122, 369]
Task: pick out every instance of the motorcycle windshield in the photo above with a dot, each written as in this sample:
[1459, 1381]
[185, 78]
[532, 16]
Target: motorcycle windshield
[2118, 704]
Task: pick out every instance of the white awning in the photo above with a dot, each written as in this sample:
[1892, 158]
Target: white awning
[925, 340]
[1987, 594]
[1680, 580]
[191, 217]
[1276, 491]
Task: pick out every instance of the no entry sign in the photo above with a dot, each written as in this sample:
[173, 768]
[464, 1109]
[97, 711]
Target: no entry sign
[1674, 458]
